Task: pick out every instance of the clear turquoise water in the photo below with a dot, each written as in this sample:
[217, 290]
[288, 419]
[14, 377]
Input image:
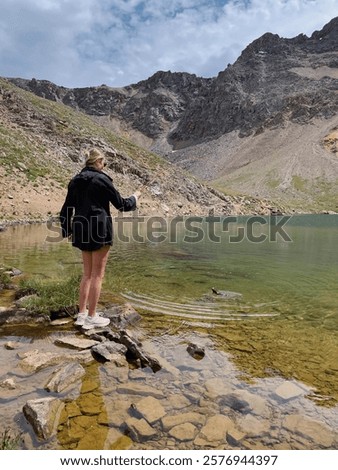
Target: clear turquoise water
[286, 319]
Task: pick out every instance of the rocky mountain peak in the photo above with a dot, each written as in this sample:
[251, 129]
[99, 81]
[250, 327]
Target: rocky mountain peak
[267, 44]
[270, 84]
[274, 81]
[328, 32]
[169, 79]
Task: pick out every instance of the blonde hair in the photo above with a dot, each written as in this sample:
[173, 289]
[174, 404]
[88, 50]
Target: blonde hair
[92, 155]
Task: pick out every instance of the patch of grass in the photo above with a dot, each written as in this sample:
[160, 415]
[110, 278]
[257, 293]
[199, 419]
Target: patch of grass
[35, 172]
[14, 147]
[326, 195]
[300, 183]
[51, 295]
[225, 190]
[9, 441]
[71, 123]
[273, 183]
[18, 152]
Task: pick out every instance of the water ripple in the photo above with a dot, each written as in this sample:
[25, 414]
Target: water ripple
[220, 310]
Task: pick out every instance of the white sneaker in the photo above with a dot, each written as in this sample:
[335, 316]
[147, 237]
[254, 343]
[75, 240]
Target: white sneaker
[95, 322]
[80, 319]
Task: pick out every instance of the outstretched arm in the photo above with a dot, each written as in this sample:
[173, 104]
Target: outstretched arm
[120, 203]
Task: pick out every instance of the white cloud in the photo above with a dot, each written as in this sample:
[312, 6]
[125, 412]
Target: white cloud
[119, 42]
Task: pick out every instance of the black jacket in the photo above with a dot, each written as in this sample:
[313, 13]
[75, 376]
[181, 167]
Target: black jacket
[89, 194]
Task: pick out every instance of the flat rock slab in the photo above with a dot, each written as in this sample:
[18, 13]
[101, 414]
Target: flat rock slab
[253, 427]
[288, 391]
[139, 429]
[309, 429]
[61, 321]
[184, 432]
[140, 389]
[169, 422]
[76, 343]
[217, 387]
[150, 409]
[64, 377]
[245, 402]
[36, 360]
[216, 428]
[178, 401]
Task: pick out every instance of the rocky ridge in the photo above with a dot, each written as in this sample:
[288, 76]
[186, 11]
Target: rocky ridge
[42, 144]
[266, 87]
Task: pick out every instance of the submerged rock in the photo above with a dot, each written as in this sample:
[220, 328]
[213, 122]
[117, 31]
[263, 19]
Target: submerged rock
[140, 389]
[139, 429]
[288, 391]
[9, 384]
[76, 343]
[184, 432]
[195, 351]
[191, 417]
[43, 415]
[235, 402]
[309, 429]
[35, 361]
[235, 437]
[253, 427]
[216, 428]
[227, 294]
[150, 409]
[245, 402]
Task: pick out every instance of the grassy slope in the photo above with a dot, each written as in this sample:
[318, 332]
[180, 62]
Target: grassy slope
[66, 123]
[40, 145]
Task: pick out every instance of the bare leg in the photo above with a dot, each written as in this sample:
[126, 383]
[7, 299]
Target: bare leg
[85, 281]
[98, 266]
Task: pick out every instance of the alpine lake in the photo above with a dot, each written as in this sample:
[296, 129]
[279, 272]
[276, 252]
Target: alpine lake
[260, 295]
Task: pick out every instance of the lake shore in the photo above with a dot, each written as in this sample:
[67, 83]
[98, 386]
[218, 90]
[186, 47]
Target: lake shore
[266, 213]
[185, 404]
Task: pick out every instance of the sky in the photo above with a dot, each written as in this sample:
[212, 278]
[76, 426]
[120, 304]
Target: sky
[80, 43]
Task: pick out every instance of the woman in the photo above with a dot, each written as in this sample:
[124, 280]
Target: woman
[90, 193]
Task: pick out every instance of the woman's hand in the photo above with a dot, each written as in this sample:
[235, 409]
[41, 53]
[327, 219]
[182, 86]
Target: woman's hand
[137, 194]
